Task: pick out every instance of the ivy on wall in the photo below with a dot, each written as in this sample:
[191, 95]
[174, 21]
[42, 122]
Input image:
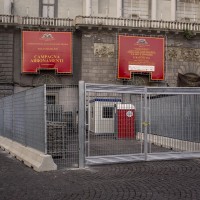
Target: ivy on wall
[189, 35]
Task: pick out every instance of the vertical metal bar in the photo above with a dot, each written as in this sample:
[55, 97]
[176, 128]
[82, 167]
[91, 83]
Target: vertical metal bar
[141, 120]
[12, 131]
[45, 120]
[145, 124]
[3, 118]
[25, 119]
[63, 147]
[182, 114]
[81, 124]
[88, 134]
[149, 109]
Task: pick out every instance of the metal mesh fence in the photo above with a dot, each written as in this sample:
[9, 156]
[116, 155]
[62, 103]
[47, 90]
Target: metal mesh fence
[46, 119]
[1, 117]
[19, 114]
[23, 119]
[62, 124]
[119, 120]
[174, 121]
[113, 121]
[135, 121]
[35, 121]
[8, 119]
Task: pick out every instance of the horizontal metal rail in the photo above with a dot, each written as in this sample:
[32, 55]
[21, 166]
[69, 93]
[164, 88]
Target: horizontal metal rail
[113, 88]
[92, 87]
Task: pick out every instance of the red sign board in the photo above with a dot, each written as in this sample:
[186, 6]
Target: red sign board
[142, 53]
[47, 50]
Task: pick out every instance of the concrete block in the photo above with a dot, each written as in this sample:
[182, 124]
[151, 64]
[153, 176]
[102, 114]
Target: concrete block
[15, 150]
[5, 143]
[31, 157]
[37, 160]
[170, 143]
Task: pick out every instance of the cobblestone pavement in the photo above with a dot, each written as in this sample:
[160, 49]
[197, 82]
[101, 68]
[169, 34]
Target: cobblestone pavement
[145, 180]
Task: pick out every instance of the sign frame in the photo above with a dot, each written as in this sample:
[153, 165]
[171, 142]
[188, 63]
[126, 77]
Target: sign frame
[129, 45]
[61, 52]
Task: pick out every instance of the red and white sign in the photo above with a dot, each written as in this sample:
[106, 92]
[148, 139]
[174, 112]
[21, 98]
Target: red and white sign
[47, 50]
[141, 68]
[141, 54]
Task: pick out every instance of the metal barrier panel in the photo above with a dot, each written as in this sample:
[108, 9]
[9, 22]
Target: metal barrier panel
[127, 123]
[24, 118]
[62, 124]
[1, 117]
[174, 122]
[8, 117]
[35, 118]
[19, 125]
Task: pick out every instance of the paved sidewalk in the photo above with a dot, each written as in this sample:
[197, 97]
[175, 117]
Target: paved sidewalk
[161, 180]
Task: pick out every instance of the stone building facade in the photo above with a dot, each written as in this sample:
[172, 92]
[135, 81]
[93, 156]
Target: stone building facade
[96, 26]
[99, 63]
[6, 61]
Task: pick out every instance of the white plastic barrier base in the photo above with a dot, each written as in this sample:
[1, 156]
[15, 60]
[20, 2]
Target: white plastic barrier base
[31, 157]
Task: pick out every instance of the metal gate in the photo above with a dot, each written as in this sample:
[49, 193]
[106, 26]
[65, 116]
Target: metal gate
[62, 124]
[127, 123]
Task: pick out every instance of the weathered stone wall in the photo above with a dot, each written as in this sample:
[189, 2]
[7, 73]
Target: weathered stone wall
[99, 64]
[6, 62]
[99, 57]
[183, 56]
[94, 60]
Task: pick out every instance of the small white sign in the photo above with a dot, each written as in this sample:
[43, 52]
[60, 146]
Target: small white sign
[129, 113]
[141, 68]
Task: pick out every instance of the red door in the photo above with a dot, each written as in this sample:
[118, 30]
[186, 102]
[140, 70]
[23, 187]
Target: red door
[126, 121]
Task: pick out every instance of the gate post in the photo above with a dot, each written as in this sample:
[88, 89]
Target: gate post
[145, 125]
[81, 124]
[45, 119]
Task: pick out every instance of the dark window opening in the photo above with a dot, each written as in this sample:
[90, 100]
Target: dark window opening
[51, 99]
[107, 112]
[48, 8]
